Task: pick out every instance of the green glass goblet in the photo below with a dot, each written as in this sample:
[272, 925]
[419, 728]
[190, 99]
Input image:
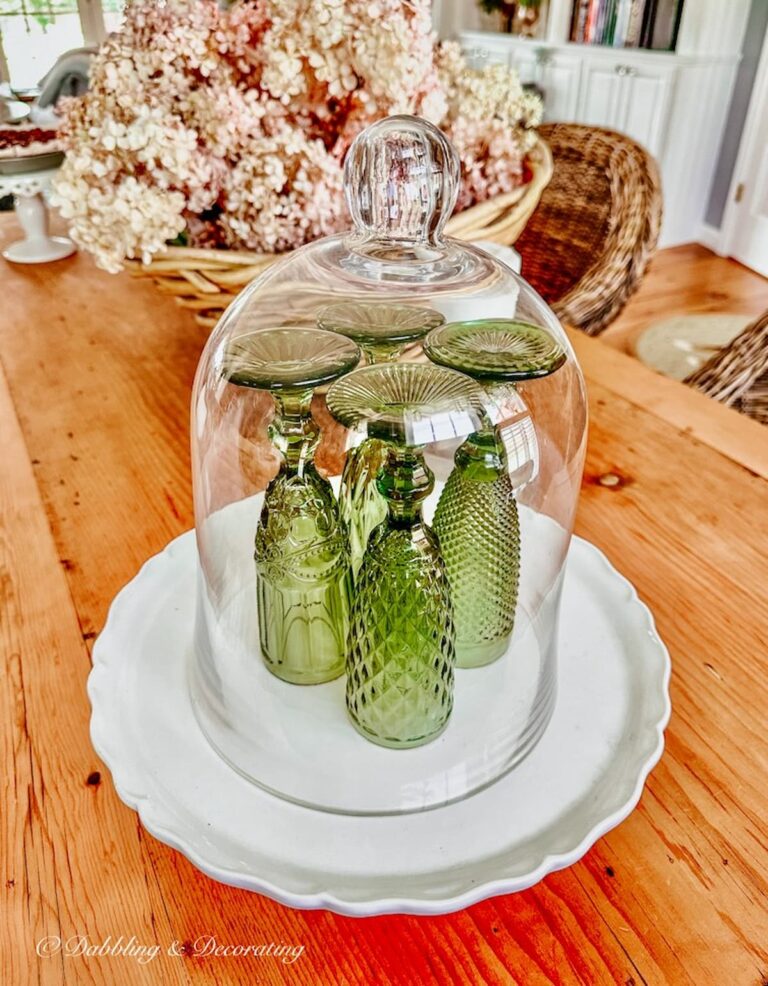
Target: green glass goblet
[382, 331]
[400, 654]
[477, 519]
[302, 549]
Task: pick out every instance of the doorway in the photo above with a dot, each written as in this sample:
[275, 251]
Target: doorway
[745, 223]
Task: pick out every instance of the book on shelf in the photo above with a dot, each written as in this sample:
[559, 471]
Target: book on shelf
[652, 24]
[579, 21]
[666, 25]
[634, 24]
[649, 16]
[622, 23]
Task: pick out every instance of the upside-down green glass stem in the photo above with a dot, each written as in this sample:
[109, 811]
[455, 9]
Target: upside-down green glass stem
[301, 546]
[302, 557]
[383, 352]
[383, 331]
[477, 518]
[478, 527]
[293, 430]
[401, 641]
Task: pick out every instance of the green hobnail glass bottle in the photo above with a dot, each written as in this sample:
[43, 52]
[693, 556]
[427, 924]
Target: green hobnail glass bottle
[303, 573]
[477, 519]
[401, 649]
[383, 331]
[478, 527]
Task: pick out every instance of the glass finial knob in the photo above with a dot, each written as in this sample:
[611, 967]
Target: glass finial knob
[401, 180]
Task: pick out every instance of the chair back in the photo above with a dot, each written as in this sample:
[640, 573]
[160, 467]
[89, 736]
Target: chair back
[737, 375]
[588, 244]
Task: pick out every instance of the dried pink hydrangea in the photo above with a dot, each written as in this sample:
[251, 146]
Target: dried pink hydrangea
[232, 125]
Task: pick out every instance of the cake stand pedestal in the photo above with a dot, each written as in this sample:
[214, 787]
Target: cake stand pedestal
[38, 247]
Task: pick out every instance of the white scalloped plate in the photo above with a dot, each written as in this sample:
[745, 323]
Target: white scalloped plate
[584, 777]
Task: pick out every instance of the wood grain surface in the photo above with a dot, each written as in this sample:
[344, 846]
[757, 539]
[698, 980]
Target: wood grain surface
[94, 478]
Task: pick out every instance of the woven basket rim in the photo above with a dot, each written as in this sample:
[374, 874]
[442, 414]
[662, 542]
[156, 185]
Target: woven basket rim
[207, 279]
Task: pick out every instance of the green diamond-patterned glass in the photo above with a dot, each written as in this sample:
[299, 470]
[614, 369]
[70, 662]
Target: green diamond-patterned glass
[477, 519]
[401, 643]
[401, 648]
[301, 546]
[382, 331]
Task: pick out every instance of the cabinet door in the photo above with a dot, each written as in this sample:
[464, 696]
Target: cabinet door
[558, 75]
[645, 106]
[561, 83]
[527, 62]
[602, 92]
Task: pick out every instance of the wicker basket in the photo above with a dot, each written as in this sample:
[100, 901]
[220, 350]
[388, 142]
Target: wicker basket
[208, 280]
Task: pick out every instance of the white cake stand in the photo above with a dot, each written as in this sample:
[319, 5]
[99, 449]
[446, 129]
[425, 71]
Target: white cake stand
[583, 778]
[38, 246]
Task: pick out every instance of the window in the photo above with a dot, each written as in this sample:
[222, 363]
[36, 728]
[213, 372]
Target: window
[34, 33]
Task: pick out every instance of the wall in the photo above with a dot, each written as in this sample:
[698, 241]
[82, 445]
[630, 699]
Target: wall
[452, 16]
[755, 34]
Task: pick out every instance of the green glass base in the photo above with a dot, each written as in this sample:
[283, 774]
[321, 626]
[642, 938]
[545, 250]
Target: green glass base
[401, 655]
[474, 655]
[303, 579]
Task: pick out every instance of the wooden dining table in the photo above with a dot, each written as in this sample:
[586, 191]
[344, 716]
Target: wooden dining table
[95, 478]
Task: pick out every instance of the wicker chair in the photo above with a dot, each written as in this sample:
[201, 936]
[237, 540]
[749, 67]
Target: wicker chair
[587, 245]
[737, 375]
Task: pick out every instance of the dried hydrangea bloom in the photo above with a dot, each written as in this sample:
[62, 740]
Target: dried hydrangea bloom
[232, 124]
[490, 120]
[285, 189]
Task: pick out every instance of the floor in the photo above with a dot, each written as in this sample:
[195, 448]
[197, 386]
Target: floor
[688, 279]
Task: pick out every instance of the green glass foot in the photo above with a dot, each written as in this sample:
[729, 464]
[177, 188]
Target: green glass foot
[380, 329]
[496, 349]
[303, 578]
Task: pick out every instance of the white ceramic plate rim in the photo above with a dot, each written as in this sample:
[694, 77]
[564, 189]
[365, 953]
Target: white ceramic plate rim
[148, 814]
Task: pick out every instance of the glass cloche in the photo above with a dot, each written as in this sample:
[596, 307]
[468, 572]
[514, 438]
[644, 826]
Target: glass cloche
[388, 433]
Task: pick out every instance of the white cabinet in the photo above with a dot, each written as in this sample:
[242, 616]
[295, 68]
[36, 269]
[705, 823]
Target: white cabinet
[647, 99]
[631, 97]
[600, 101]
[562, 82]
[557, 73]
